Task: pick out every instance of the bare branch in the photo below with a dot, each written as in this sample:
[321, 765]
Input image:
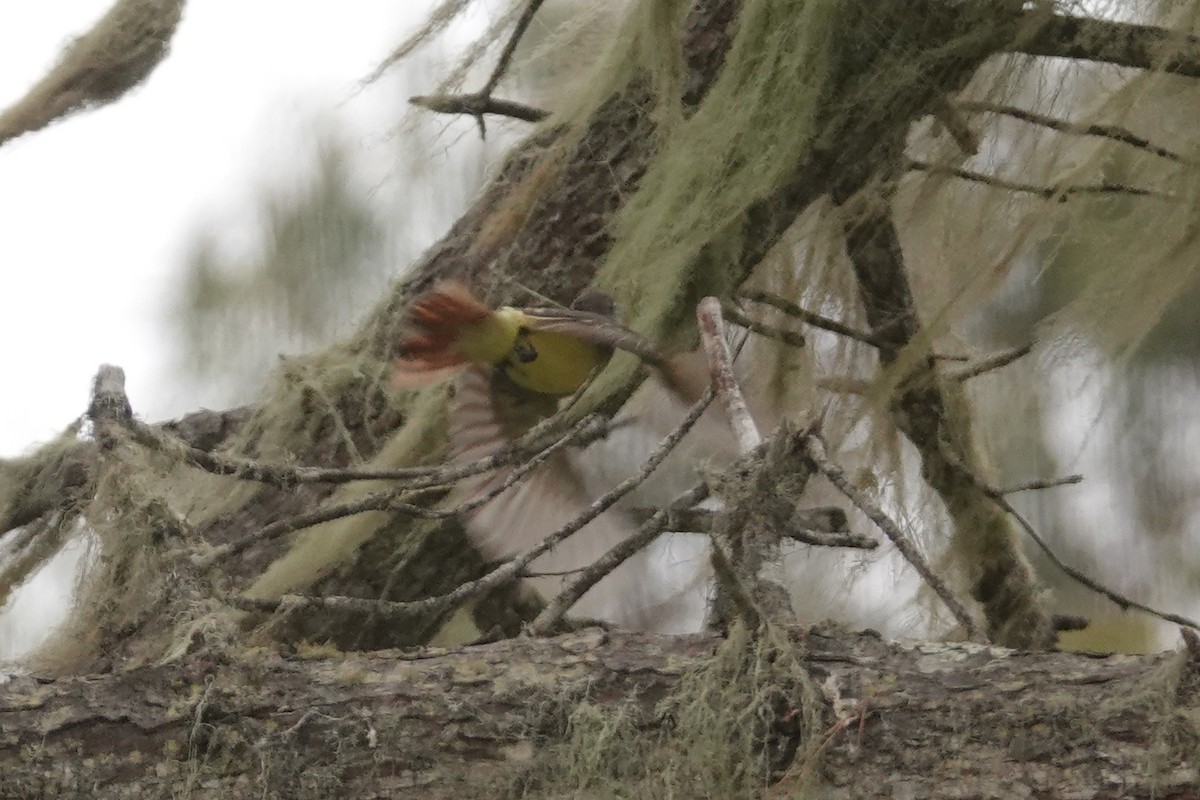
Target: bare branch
[816, 451]
[510, 47]
[1059, 193]
[808, 317]
[389, 500]
[388, 610]
[820, 527]
[839, 385]
[992, 363]
[1046, 484]
[1116, 133]
[720, 366]
[482, 102]
[287, 475]
[476, 105]
[1122, 601]
[792, 338]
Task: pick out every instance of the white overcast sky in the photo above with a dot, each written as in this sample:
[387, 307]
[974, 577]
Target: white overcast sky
[95, 211]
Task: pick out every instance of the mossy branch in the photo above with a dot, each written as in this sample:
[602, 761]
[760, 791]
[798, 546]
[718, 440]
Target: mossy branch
[928, 410]
[99, 67]
[1124, 44]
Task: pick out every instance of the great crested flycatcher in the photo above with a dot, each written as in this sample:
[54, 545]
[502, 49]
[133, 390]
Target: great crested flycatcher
[512, 366]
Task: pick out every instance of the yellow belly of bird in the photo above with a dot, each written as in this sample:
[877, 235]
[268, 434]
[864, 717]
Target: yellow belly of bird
[561, 366]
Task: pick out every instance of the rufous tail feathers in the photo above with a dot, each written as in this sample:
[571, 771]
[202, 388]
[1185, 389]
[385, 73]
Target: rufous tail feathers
[435, 320]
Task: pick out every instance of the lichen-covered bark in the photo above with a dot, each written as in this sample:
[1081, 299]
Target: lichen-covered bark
[898, 720]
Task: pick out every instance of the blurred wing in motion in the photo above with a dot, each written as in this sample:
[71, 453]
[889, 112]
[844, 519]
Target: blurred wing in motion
[631, 597]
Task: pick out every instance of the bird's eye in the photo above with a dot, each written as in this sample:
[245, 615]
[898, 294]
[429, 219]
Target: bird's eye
[524, 351]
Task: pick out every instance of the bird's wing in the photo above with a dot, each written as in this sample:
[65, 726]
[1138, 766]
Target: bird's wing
[408, 373]
[551, 497]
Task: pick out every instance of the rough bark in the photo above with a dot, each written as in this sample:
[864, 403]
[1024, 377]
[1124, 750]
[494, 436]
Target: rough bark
[896, 720]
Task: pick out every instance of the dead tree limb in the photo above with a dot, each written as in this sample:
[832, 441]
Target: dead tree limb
[492, 720]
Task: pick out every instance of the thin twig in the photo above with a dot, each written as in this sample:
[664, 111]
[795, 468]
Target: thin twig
[287, 475]
[376, 501]
[840, 385]
[992, 363]
[816, 452]
[510, 47]
[1114, 132]
[1052, 483]
[820, 527]
[482, 102]
[792, 338]
[476, 105]
[651, 529]
[1059, 193]
[389, 501]
[809, 317]
[389, 610]
[1122, 601]
[506, 572]
[819, 538]
[720, 366]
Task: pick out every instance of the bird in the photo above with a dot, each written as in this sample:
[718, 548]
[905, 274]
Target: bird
[634, 596]
[511, 367]
[547, 350]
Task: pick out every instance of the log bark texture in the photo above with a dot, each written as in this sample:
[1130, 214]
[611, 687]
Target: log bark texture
[898, 721]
